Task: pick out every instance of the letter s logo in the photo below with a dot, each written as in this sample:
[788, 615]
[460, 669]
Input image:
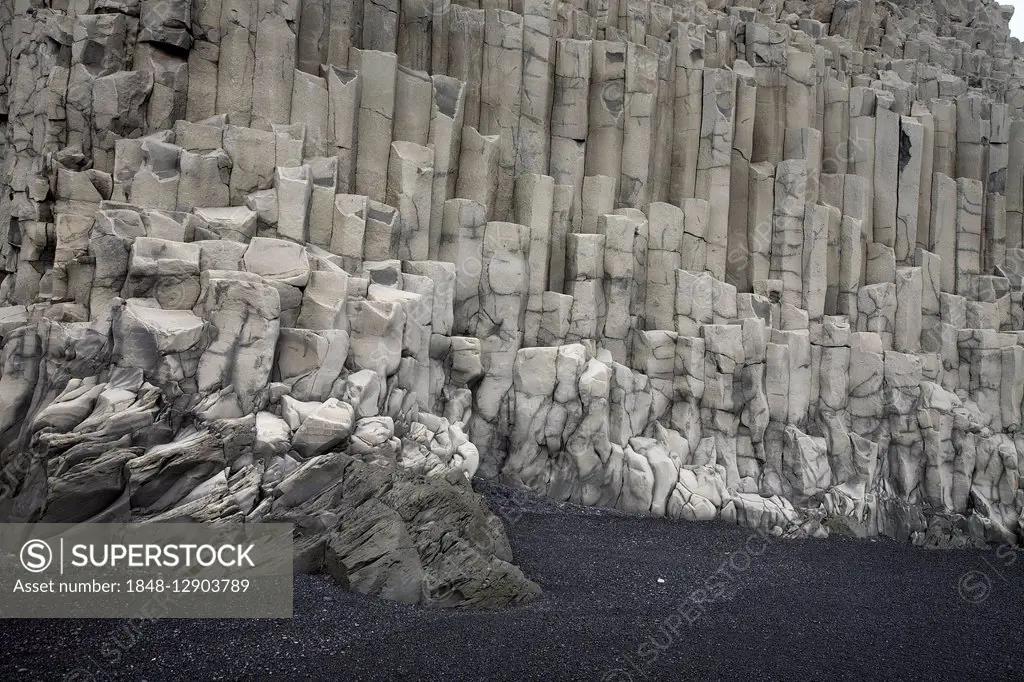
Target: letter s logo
[36, 556]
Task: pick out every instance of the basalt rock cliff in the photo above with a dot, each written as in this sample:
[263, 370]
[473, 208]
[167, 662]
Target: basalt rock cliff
[323, 261]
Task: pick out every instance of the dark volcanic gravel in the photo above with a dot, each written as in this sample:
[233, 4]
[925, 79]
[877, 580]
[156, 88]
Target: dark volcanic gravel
[814, 610]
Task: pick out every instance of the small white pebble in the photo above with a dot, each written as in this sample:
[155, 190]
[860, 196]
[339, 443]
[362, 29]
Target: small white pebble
[661, 580]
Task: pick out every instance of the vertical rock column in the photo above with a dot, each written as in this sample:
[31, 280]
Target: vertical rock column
[584, 281]
[466, 56]
[814, 255]
[619, 234]
[415, 33]
[833, 259]
[766, 52]
[911, 152]
[605, 14]
[606, 110]
[836, 126]
[533, 208]
[760, 219]
[886, 169]
[788, 229]
[723, 362]
[534, 138]
[663, 259]
[252, 168]
[737, 259]
[410, 181]
[569, 119]
[924, 212]
[980, 369]
[688, 40]
[862, 149]
[440, 36]
[694, 251]
[954, 318]
[944, 112]
[97, 50]
[322, 203]
[376, 120]
[244, 314]
[943, 228]
[969, 197]
[291, 140]
[1015, 187]
[994, 217]
[694, 301]
[689, 386]
[414, 98]
[462, 243]
[380, 25]
[119, 108]
[972, 137]
[754, 415]
[857, 205]
[993, 248]
[500, 97]
[905, 455]
[833, 393]
[534, 380]
[598, 199]
[314, 35]
[348, 230]
[714, 161]
[654, 357]
[805, 144]
[801, 91]
[478, 168]
[661, 140]
[294, 191]
[343, 95]
[639, 101]
[169, 99]
[274, 55]
[310, 111]
[446, 119]
[203, 59]
[931, 312]
[909, 305]
[344, 31]
[561, 226]
[634, 17]
[504, 292]
[237, 61]
[641, 241]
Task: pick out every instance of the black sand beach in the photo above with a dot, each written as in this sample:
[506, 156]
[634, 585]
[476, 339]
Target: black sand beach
[728, 605]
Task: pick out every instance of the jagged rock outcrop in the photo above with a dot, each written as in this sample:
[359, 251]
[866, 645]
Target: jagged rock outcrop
[756, 261]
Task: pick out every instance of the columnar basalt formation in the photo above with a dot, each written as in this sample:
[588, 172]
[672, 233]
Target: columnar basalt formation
[756, 261]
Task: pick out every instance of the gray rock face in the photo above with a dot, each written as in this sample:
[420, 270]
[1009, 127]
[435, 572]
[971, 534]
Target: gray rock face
[382, 530]
[757, 261]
